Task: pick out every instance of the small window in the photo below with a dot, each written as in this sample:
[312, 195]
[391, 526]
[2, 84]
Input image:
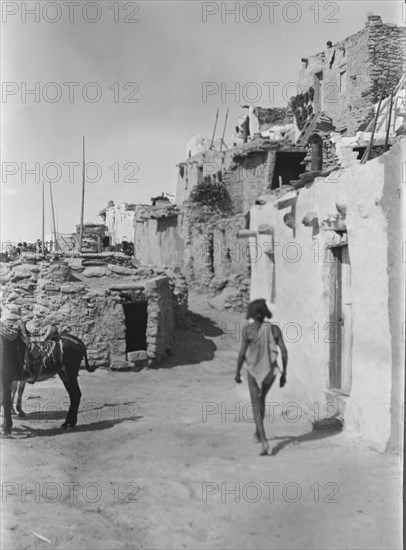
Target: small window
[186, 176]
[343, 82]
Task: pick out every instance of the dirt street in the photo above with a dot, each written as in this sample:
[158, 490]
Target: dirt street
[158, 461]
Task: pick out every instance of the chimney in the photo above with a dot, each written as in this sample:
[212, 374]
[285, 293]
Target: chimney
[374, 20]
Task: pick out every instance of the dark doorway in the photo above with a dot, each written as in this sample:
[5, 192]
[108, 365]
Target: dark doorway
[136, 325]
[288, 166]
[317, 153]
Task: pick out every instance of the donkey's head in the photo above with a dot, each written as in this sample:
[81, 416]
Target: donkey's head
[33, 363]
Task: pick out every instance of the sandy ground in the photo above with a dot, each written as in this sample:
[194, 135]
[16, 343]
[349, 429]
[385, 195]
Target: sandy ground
[157, 462]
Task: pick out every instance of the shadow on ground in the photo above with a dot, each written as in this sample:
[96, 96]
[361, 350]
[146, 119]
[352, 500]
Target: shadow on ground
[295, 440]
[204, 325]
[53, 411]
[27, 432]
[193, 345]
[127, 414]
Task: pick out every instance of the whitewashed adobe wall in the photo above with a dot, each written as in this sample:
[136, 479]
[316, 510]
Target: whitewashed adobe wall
[297, 286]
[120, 223]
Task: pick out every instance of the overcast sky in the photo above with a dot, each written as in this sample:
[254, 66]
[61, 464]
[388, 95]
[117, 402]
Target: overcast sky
[162, 61]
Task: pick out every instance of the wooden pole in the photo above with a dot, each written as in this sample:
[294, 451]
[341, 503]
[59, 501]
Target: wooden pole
[53, 216]
[43, 218]
[389, 121]
[82, 208]
[371, 143]
[224, 130]
[214, 130]
[245, 233]
[386, 100]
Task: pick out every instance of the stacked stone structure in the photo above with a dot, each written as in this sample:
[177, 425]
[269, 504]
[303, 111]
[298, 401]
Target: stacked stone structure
[212, 252]
[348, 77]
[87, 301]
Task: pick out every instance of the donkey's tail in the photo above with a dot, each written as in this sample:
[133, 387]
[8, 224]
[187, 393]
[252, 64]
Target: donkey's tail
[82, 345]
[88, 367]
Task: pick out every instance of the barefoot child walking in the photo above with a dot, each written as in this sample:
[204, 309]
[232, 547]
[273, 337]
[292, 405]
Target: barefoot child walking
[259, 350]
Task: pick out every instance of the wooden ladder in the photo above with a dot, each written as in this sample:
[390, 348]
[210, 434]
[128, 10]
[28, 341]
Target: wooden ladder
[308, 129]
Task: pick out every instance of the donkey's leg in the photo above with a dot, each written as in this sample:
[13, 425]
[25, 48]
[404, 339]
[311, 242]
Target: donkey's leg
[14, 386]
[67, 385]
[71, 384]
[7, 405]
[76, 395]
[21, 387]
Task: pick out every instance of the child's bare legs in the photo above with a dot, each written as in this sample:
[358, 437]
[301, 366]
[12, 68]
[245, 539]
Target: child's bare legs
[258, 401]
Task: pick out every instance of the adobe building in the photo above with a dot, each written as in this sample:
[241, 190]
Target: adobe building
[213, 258]
[119, 221]
[94, 237]
[196, 240]
[330, 263]
[192, 171]
[126, 315]
[269, 159]
[325, 246]
[345, 80]
[333, 273]
[283, 149]
[156, 237]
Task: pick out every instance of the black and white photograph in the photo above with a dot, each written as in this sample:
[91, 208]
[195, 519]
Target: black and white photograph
[202, 274]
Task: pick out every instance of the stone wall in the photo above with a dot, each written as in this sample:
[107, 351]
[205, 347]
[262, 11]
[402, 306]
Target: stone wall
[194, 241]
[213, 256]
[87, 301]
[259, 167]
[354, 72]
[246, 171]
[204, 243]
[270, 117]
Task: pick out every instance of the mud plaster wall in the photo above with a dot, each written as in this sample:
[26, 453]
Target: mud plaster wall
[244, 177]
[366, 57]
[199, 243]
[195, 169]
[301, 293]
[393, 199]
[120, 222]
[44, 294]
[252, 175]
[212, 252]
[157, 241]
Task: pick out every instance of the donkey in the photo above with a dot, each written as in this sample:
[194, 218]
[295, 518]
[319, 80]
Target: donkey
[21, 359]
